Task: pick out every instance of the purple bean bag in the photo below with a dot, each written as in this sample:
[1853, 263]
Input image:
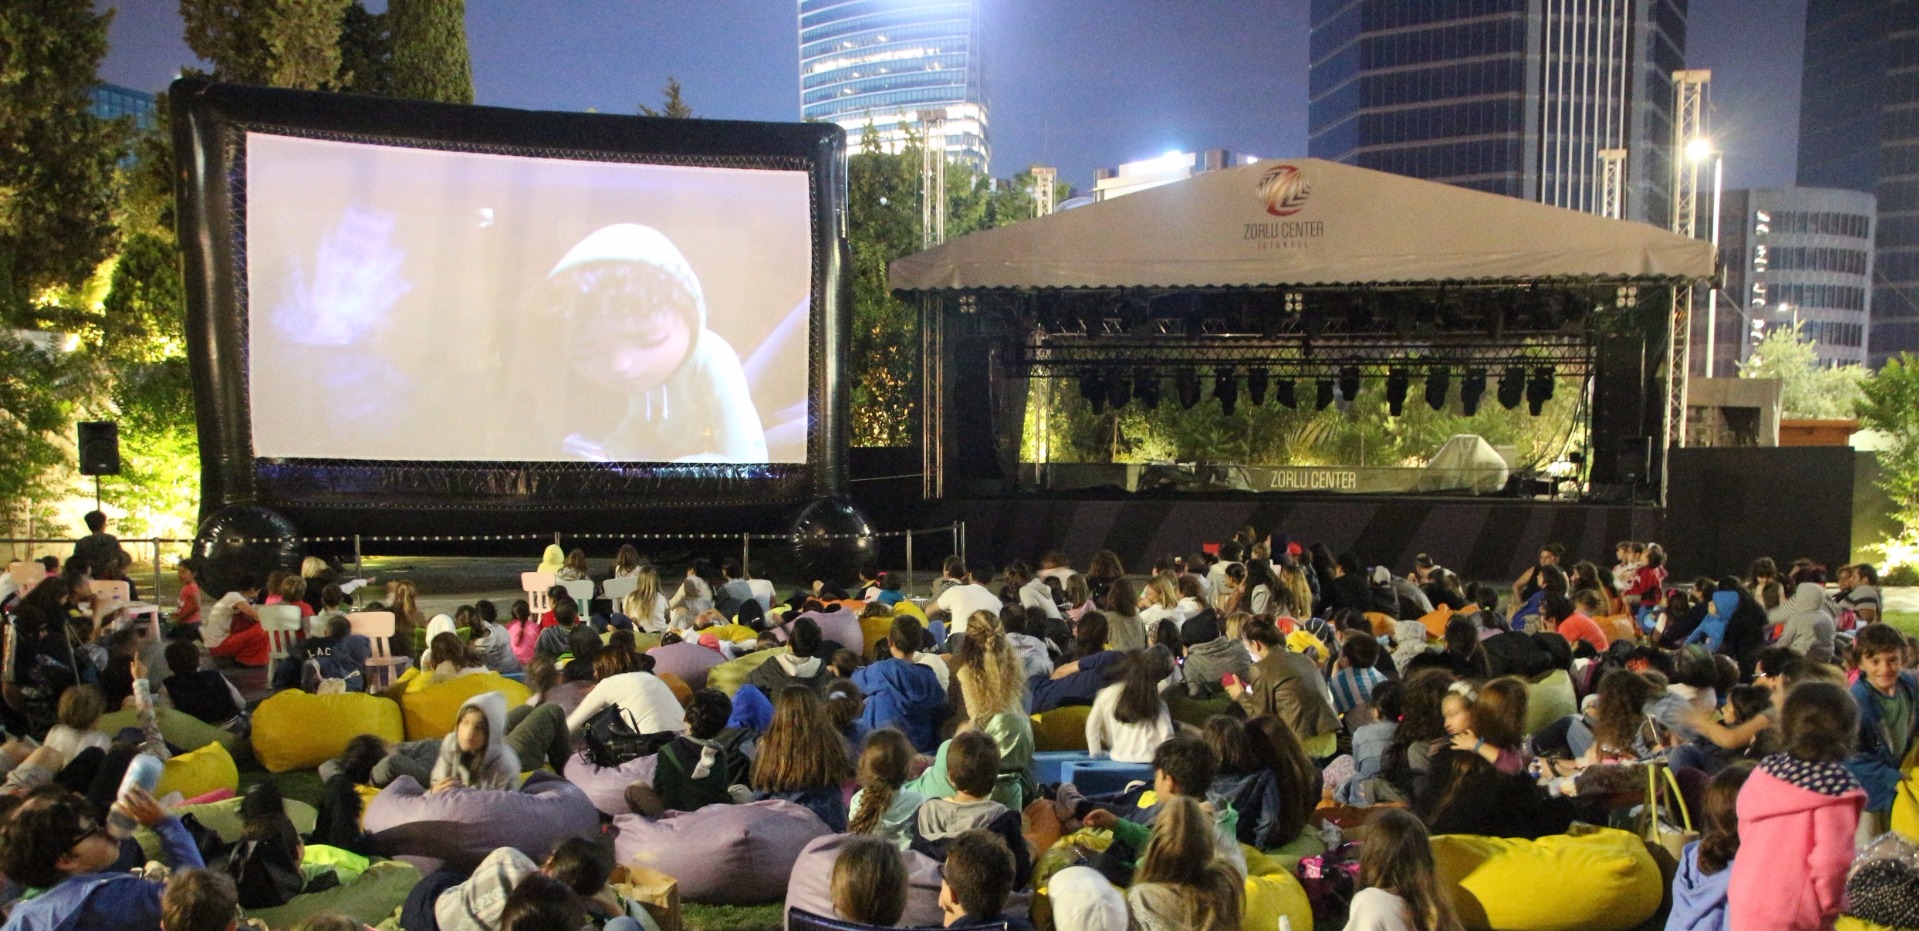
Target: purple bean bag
[723, 854]
[811, 886]
[462, 826]
[606, 787]
[689, 661]
[841, 627]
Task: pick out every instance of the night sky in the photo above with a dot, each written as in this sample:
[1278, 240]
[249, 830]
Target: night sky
[1075, 84]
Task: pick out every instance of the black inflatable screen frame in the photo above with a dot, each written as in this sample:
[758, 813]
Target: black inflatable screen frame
[210, 124]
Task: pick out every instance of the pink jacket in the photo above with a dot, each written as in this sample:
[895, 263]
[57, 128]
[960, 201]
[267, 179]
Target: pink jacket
[1795, 845]
[523, 635]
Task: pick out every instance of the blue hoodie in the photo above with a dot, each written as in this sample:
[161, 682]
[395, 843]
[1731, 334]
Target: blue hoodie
[109, 901]
[1712, 630]
[905, 695]
[1698, 899]
[1873, 764]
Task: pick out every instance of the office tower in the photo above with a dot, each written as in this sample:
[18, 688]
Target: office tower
[1516, 97]
[1793, 255]
[895, 66]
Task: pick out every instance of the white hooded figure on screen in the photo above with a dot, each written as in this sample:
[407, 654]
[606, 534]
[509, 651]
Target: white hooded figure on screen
[634, 320]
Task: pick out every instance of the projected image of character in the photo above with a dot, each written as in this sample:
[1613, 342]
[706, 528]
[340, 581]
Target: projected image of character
[634, 321]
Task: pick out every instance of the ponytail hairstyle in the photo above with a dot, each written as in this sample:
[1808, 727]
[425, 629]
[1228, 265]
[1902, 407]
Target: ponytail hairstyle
[987, 669]
[1398, 858]
[520, 612]
[1180, 854]
[883, 769]
[1720, 841]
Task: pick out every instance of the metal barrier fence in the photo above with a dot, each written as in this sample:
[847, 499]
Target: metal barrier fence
[956, 531]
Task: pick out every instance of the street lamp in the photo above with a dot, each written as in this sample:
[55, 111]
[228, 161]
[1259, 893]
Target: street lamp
[1698, 151]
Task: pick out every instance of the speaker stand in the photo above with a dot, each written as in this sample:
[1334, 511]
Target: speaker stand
[96, 492]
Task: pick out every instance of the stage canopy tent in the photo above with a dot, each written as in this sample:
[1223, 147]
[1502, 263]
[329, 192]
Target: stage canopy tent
[1304, 223]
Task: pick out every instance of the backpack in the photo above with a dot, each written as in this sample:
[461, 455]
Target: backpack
[673, 776]
[612, 739]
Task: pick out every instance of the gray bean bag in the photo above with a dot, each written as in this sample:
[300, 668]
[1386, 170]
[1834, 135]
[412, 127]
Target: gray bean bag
[723, 854]
[811, 886]
[689, 661]
[462, 826]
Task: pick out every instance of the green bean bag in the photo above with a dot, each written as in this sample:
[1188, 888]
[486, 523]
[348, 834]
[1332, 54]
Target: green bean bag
[1549, 698]
[369, 900]
[178, 728]
[1195, 711]
[223, 818]
[730, 675]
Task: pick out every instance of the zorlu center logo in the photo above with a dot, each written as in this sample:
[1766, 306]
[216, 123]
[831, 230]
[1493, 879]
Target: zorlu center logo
[1284, 190]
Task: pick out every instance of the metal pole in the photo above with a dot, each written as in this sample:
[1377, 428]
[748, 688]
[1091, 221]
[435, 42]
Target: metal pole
[156, 570]
[962, 528]
[909, 560]
[954, 527]
[358, 573]
[1712, 294]
[746, 555]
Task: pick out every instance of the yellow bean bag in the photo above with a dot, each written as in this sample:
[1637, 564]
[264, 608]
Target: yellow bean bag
[1849, 923]
[730, 675]
[1061, 729]
[178, 728]
[908, 607]
[732, 633]
[1272, 893]
[874, 630]
[1548, 699]
[296, 730]
[1601, 880]
[199, 772]
[1905, 804]
[428, 708]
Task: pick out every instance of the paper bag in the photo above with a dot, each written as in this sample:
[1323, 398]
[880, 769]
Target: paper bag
[655, 891]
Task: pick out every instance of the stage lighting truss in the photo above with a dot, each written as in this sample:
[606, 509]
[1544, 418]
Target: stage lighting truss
[1471, 387]
[1257, 380]
[1226, 388]
[1438, 382]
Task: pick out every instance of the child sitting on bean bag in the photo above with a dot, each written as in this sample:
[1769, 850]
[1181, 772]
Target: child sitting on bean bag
[972, 766]
[581, 864]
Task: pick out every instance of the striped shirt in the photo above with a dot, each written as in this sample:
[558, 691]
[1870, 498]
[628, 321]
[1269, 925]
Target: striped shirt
[1354, 687]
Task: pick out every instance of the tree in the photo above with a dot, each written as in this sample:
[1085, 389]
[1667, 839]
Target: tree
[430, 59]
[1809, 390]
[56, 157]
[673, 106]
[279, 43]
[366, 52]
[883, 223]
[1891, 405]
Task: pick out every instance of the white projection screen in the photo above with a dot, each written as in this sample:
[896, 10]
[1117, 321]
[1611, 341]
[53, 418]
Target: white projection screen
[409, 304]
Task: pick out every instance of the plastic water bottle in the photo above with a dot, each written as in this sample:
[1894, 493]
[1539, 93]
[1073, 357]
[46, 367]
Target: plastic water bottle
[143, 771]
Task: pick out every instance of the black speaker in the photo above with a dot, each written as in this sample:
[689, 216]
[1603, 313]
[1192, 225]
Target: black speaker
[1634, 462]
[99, 447]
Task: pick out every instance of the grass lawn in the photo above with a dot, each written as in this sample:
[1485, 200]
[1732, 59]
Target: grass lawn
[1907, 621]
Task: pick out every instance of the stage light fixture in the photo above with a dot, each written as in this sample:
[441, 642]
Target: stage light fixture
[1146, 387]
[1349, 383]
[1226, 388]
[1283, 393]
[1438, 382]
[1512, 387]
[1539, 389]
[1119, 390]
[1186, 381]
[1470, 388]
[1325, 396]
[1257, 381]
[1091, 385]
[1396, 385]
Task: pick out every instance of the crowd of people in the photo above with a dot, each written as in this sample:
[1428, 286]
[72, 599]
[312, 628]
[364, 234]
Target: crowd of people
[1267, 687]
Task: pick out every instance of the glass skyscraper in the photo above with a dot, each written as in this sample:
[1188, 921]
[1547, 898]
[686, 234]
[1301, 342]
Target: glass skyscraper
[1515, 97]
[887, 63]
[1859, 130]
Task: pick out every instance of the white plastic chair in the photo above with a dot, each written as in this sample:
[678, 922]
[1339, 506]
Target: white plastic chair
[282, 624]
[616, 590]
[535, 584]
[383, 667]
[109, 594]
[581, 590]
